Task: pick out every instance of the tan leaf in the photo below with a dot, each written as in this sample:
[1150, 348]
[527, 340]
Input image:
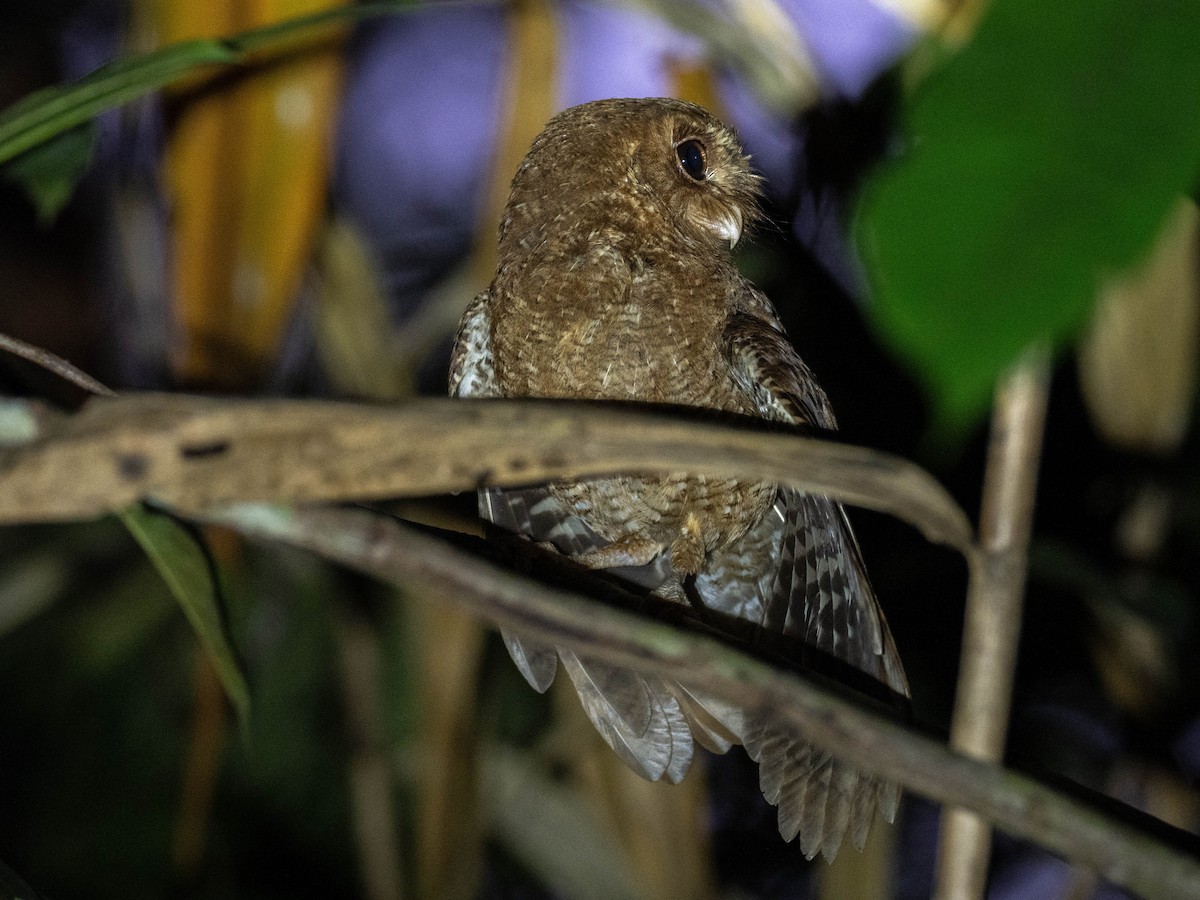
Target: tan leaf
[1137, 365]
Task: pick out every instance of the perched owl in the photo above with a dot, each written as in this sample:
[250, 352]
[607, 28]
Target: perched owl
[616, 282]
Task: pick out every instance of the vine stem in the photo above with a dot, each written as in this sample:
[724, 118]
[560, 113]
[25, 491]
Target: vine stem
[992, 625]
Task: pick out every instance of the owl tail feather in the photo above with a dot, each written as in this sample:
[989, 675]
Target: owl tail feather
[636, 715]
[537, 662]
[819, 799]
[651, 723]
[716, 724]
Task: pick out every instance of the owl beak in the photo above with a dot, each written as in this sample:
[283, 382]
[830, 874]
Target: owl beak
[729, 226]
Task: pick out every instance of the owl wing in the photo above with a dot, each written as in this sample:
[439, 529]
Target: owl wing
[473, 375]
[818, 588]
[472, 367]
[637, 715]
[799, 572]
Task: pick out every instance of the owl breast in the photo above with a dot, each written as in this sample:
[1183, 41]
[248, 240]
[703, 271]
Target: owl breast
[617, 328]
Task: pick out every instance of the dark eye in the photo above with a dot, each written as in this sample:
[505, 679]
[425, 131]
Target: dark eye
[691, 159]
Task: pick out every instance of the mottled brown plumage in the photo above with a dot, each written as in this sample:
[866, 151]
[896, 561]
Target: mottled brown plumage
[616, 282]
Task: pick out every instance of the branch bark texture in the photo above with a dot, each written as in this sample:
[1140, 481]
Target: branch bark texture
[192, 453]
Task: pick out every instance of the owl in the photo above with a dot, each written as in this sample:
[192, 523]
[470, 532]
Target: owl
[616, 281]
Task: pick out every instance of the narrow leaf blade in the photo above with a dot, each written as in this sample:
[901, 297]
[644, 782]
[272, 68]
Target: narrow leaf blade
[181, 561]
[49, 172]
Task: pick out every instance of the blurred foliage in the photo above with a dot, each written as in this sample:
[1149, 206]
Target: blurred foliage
[26, 126]
[50, 111]
[50, 171]
[1041, 158]
[117, 706]
[1148, 314]
[235, 276]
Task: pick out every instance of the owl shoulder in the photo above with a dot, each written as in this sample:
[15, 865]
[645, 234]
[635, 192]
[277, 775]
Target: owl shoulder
[767, 366]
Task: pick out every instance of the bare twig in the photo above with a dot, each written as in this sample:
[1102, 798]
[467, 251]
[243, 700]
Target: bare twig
[993, 615]
[445, 647]
[1078, 831]
[206, 746]
[372, 791]
[193, 453]
[55, 364]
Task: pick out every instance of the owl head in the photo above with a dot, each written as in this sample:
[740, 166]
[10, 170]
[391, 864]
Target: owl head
[636, 173]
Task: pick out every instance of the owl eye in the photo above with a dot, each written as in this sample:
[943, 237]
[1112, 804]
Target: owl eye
[691, 158]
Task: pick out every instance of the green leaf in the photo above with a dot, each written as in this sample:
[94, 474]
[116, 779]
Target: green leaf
[51, 111]
[50, 171]
[185, 565]
[1039, 160]
[46, 137]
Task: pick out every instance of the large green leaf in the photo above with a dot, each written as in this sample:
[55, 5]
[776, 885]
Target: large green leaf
[1040, 159]
[185, 566]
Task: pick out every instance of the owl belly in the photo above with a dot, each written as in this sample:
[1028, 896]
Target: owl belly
[687, 515]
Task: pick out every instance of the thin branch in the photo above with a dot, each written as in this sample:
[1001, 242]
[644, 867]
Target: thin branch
[202, 766]
[992, 627]
[193, 453]
[55, 364]
[1081, 832]
[372, 792]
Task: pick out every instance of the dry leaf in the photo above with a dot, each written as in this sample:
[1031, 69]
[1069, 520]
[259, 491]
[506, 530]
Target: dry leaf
[1137, 365]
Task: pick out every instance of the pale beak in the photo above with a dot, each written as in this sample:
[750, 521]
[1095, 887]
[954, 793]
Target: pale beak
[729, 226]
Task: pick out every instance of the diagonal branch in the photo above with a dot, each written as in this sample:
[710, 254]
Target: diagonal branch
[53, 363]
[195, 452]
[1122, 853]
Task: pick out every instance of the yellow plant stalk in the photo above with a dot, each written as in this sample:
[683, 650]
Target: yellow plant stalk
[245, 173]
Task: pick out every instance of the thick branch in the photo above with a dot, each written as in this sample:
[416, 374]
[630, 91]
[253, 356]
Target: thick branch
[877, 744]
[193, 453]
